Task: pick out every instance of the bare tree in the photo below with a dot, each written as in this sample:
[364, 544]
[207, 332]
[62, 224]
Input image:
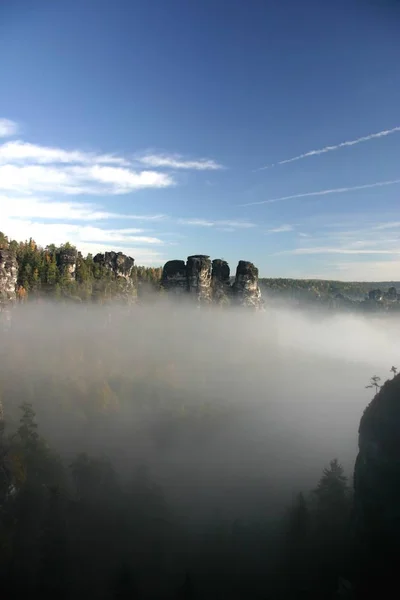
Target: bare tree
[374, 383]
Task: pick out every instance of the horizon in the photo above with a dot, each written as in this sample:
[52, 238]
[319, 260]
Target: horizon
[121, 129]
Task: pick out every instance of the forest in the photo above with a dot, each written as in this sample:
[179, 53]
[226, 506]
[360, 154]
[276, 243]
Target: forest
[154, 453]
[40, 275]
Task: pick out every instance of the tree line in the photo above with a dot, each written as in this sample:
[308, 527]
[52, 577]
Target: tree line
[41, 275]
[79, 529]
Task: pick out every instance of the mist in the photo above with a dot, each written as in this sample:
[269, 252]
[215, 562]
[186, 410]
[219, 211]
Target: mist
[222, 407]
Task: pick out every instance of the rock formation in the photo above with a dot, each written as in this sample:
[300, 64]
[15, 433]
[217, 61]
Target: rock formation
[391, 294]
[119, 267]
[208, 282]
[377, 490]
[220, 281]
[173, 278]
[198, 277]
[117, 263]
[66, 260]
[245, 288]
[8, 277]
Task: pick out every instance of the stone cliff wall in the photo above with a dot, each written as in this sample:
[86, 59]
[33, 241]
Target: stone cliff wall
[377, 488]
[66, 260]
[8, 277]
[221, 281]
[173, 278]
[198, 277]
[117, 263]
[245, 288]
[210, 282]
[120, 267]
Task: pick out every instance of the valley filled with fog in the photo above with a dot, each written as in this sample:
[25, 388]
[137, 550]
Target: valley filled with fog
[221, 406]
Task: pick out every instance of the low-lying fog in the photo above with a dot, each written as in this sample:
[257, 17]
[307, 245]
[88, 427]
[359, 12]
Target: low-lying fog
[283, 392]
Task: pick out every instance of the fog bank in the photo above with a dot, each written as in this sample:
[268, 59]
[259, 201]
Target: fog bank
[222, 406]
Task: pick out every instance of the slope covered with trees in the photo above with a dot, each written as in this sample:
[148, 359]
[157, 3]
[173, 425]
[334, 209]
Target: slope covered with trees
[41, 275]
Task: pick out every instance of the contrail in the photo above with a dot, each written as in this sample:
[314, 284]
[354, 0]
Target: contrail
[366, 138]
[325, 192]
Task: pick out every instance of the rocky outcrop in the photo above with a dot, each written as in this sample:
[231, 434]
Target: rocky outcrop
[8, 277]
[118, 267]
[208, 282]
[245, 288]
[220, 281]
[391, 294]
[377, 488]
[66, 260]
[117, 263]
[198, 277]
[173, 278]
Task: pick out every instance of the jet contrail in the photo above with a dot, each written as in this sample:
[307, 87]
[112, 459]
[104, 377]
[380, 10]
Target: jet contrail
[366, 138]
[325, 192]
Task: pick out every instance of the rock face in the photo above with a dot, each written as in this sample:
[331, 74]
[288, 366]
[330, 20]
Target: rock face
[208, 282]
[198, 277]
[119, 267]
[245, 288]
[377, 488]
[220, 281]
[66, 260]
[391, 294]
[173, 278]
[8, 277]
[376, 295]
[119, 264]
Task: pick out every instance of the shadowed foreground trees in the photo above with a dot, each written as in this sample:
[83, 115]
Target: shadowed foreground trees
[79, 530]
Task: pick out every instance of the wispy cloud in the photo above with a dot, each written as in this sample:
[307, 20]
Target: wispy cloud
[77, 180]
[8, 128]
[389, 225]
[20, 152]
[176, 161]
[333, 250]
[281, 229]
[39, 186]
[231, 225]
[341, 190]
[365, 138]
[373, 270]
[49, 221]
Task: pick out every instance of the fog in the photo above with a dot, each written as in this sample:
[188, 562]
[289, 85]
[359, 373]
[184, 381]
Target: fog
[223, 407]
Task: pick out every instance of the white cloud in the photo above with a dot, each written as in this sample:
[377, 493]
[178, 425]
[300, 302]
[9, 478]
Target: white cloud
[87, 239]
[231, 225]
[8, 128]
[281, 229]
[19, 151]
[366, 138]
[236, 224]
[42, 208]
[333, 250]
[176, 161]
[28, 168]
[49, 222]
[196, 222]
[326, 192]
[390, 225]
[385, 269]
[77, 180]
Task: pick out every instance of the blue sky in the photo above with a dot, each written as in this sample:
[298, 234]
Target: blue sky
[146, 126]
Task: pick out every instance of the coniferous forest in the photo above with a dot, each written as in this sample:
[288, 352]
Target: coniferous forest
[124, 463]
